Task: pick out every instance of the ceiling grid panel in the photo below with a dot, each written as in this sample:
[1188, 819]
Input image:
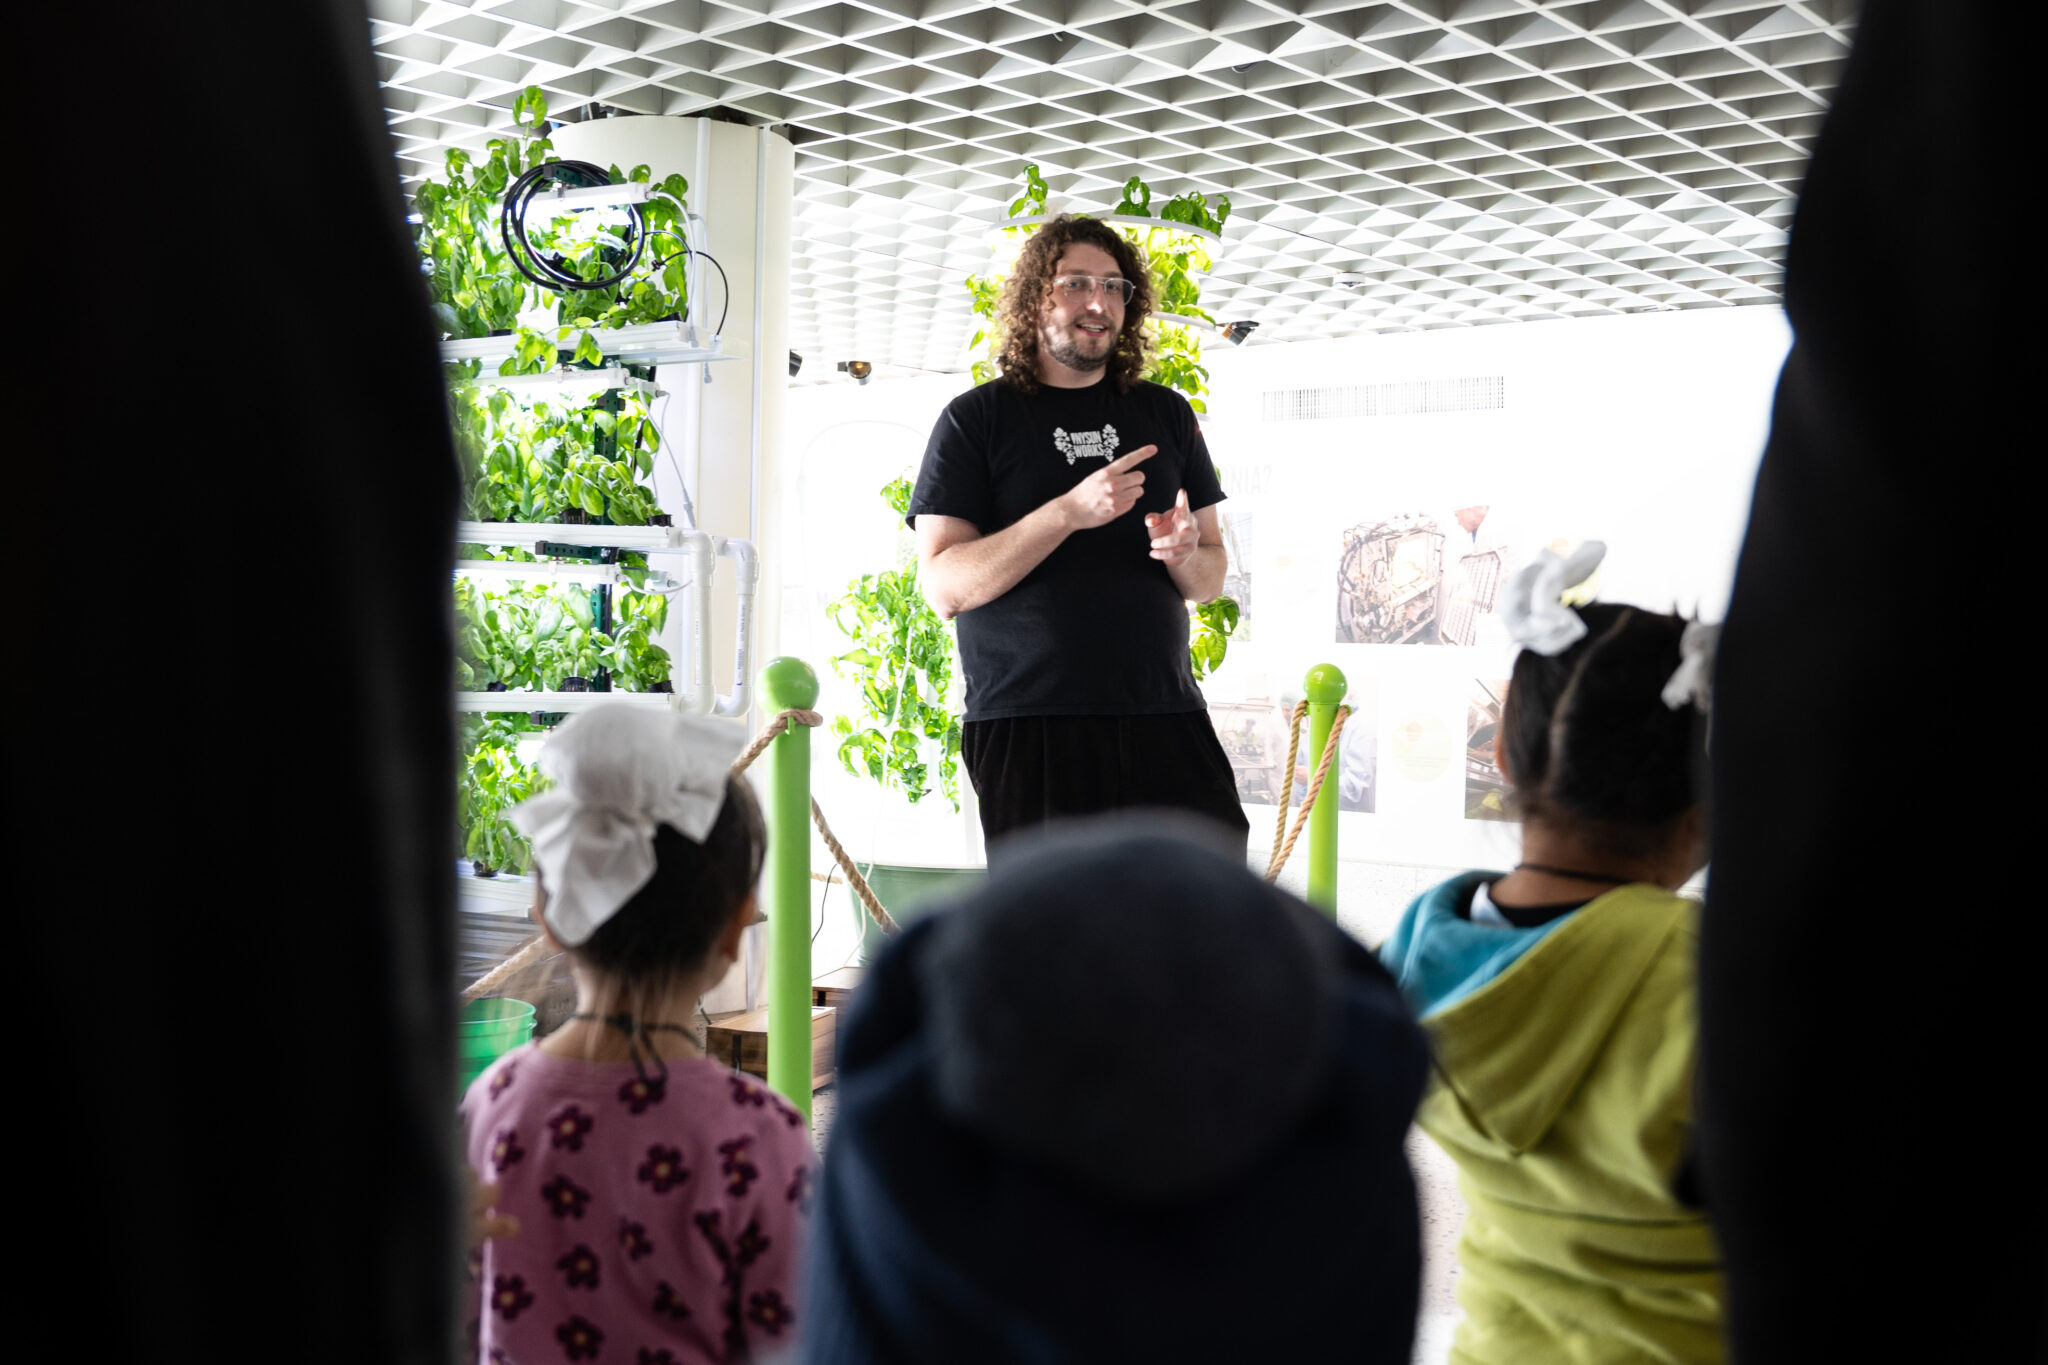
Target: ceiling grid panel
[1457, 162]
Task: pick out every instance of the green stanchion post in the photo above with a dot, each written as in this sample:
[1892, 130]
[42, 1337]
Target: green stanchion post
[1324, 688]
[789, 684]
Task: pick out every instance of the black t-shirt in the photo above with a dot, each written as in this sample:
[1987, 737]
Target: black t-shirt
[1098, 628]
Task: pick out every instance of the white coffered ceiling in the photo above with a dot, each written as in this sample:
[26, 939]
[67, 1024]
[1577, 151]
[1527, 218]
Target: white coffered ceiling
[1475, 161]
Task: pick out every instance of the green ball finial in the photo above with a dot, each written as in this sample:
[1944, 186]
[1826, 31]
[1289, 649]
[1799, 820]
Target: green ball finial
[1324, 685]
[788, 685]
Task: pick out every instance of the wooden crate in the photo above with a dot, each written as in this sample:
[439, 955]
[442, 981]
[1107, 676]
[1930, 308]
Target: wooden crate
[836, 985]
[741, 1042]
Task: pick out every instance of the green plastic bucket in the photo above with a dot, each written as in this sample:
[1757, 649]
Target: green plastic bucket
[488, 1030]
[907, 893]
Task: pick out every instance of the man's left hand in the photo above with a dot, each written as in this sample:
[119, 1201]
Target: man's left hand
[1174, 533]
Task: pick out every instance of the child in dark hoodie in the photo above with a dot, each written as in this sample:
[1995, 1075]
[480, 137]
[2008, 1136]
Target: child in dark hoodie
[1559, 998]
[1126, 1102]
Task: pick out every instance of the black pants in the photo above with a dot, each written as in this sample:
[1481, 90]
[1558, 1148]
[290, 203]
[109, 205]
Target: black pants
[1027, 770]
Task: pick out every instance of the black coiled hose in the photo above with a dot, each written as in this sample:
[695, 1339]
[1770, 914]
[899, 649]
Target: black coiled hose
[553, 273]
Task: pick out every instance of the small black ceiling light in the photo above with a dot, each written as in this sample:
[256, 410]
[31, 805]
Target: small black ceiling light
[796, 362]
[1238, 331]
[859, 371]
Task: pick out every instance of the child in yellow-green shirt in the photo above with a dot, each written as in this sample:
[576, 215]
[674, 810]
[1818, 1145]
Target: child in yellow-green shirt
[1559, 998]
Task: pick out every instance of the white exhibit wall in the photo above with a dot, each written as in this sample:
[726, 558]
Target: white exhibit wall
[1641, 431]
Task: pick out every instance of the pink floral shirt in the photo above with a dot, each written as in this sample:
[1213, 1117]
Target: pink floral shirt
[660, 1221]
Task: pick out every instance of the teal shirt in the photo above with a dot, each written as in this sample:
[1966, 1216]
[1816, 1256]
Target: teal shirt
[1439, 957]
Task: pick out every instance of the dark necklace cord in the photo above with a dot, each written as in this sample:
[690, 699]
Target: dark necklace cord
[1576, 876]
[637, 1032]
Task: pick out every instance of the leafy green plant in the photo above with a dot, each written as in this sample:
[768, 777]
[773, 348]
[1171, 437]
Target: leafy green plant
[477, 289]
[636, 662]
[1033, 198]
[532, 462]
[493, 780]
[530, 636]
[1209, 628]
[904, 663]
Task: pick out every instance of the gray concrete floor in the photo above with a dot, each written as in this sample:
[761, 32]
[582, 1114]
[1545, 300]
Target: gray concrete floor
[1443, 1215]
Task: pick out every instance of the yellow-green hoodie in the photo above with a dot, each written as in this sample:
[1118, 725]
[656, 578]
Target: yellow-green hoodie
[1563, 1090]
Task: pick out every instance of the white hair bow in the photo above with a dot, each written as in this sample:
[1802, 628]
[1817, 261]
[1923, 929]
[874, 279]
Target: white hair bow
[1693, 680]
[1533, 608]
[620, 772]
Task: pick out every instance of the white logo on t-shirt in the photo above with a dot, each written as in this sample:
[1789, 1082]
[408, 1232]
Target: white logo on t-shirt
[1085, 445]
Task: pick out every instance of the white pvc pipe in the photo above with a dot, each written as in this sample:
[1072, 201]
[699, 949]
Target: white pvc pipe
[747, 575]
[697, 695]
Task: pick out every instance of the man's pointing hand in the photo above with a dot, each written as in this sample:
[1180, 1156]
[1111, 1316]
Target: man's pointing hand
[1108, 493]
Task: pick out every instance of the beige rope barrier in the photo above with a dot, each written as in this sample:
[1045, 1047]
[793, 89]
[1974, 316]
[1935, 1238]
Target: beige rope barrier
[1283, 848]
[538, 946]
[526, 955]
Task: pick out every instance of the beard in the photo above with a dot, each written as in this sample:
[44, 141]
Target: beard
[1065, 347]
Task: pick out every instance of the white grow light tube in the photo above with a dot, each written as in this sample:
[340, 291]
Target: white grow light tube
[498, 570]
[552, 203]
[578, 383]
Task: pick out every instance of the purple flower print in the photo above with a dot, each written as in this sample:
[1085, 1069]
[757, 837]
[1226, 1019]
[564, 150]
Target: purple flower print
[664, 1356]
[505, 1150]
[580, 1267]
[633, 1237]
[663, 1168]
[565, 1199]
[509, 1296]
[669, 1303]
[750, 1244]
[580, 1338]
[503, 1080]
[568, 1128]
[739, 1172]
[708, 1221]
[767, 1311]
[641, 1091]
[801, 1186]
[747, 1091]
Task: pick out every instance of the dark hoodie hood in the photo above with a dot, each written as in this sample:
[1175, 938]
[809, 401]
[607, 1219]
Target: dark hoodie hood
[1124, 1102]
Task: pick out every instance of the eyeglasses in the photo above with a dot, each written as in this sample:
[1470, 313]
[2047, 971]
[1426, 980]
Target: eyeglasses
[1081, 288]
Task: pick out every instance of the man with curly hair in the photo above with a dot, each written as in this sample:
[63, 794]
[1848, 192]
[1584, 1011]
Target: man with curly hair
[1065, 515]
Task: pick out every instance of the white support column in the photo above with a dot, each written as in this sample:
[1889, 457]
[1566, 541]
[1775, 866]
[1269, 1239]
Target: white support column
[724, 434]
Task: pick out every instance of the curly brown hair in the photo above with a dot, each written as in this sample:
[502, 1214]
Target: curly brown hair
[1030, 285]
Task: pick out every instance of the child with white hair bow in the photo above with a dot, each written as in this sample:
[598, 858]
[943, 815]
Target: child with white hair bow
[660, 1197]
[1559, 996]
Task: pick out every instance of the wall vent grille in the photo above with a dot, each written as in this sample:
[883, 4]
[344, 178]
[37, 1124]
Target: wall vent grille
[1479, 393]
